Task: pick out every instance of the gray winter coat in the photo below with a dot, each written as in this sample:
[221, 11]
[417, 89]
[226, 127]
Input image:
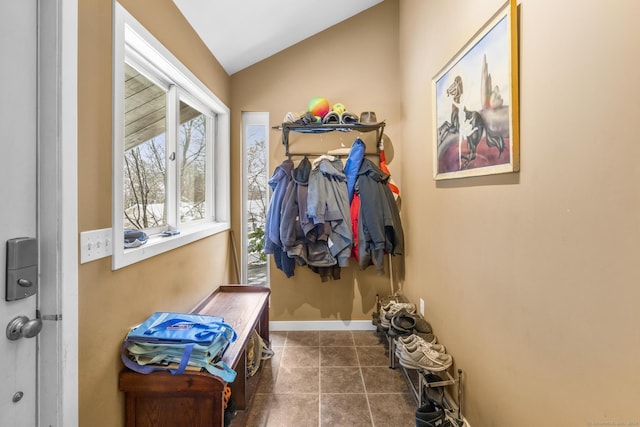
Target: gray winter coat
[328, 203]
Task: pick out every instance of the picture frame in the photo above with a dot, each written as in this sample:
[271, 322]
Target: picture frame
[475, 103]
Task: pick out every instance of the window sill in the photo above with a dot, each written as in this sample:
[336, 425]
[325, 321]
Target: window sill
[158, 244]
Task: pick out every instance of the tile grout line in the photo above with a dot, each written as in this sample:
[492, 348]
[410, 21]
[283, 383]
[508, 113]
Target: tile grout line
[364, 385]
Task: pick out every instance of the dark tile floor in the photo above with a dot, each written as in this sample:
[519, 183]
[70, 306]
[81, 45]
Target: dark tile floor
[329, 378]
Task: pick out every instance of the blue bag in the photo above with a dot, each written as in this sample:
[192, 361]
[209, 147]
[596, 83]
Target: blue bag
[180, 328]
[179, 338]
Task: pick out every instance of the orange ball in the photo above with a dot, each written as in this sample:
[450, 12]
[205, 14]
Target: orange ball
[319, 107]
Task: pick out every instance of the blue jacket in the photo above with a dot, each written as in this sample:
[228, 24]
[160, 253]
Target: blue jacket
[352, 165]
[272, 244]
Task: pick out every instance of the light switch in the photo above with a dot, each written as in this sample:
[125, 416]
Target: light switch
[95, 244]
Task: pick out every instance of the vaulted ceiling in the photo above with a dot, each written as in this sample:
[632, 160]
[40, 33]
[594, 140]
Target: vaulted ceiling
[241, 33]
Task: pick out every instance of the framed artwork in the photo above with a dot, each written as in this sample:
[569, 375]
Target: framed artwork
[475, 99]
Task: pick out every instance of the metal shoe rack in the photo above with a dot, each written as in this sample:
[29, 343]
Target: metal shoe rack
[418, 389]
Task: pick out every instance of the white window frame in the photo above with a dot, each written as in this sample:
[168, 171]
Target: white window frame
[251, 119]
[133, 42]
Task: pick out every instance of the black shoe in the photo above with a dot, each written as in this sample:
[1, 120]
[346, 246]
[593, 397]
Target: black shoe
[434, 394]
[431, 414]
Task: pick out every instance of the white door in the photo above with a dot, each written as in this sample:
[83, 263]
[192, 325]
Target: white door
[18, 185]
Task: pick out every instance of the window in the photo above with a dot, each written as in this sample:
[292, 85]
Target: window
[170, 148]
[255, 137]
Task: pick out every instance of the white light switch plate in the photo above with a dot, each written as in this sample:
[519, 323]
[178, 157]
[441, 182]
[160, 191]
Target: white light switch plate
[95, 244]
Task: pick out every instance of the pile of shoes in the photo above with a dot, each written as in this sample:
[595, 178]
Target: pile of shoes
[416, 345]
[345, 118]
[414, 352]
[332, 117]
[382, 305]
[301, 118]
[397, 317]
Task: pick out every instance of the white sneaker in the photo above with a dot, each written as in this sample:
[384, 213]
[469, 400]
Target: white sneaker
[425, 359]
[423, 344]
[411, 342]
[395, 308]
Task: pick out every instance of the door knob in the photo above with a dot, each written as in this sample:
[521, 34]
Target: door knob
[22, 327]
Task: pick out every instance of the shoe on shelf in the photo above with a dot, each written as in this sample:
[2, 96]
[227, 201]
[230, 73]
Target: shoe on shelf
[425, 359]
[418, 344]
[348, 118]
[430, 338]
[413, 341]
[451, 420]
[423, 326]
[415, 353]
[407, 307]
[431, 414]
[375, 318]
[391, 309]
[434, 393]
[403, 323]
[391, 298]
[410, 339]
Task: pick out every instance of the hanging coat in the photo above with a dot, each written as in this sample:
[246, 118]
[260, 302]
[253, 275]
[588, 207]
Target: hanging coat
[353, 163]
[328, 203]
[273, 245]
[294, 206]
[379, 225]
[384, 168]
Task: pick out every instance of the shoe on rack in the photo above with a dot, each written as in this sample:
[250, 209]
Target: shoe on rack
[433, 392]
[390, 298]
[385, 323]
[422, 325]
[414, 340]
[411, 339]
[451, 420]
[425, 359]
[431, 414]
[420, 343]
[413, 353]
[396, 333]
[391, 309]
[405, 307]
[403, 323]
[430, 338]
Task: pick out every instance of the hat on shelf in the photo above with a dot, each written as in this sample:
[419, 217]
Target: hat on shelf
[368, 117]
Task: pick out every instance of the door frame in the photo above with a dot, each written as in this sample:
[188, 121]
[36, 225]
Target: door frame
[58, 212]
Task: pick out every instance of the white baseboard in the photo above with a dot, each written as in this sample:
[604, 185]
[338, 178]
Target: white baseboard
[322, 325]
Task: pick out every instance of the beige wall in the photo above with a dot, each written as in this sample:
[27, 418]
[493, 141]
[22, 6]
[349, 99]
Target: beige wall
[356, 63]
[531, 279]
[112, 301]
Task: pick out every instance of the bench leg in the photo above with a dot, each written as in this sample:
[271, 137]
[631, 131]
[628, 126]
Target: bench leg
[238, 392]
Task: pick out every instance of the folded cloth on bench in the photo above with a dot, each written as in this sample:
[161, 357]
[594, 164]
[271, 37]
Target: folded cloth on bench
[186, 339]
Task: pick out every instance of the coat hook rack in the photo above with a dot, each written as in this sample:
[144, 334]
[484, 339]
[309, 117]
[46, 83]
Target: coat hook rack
[286, 128]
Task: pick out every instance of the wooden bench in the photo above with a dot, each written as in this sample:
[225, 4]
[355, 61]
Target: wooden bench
[195, 398]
